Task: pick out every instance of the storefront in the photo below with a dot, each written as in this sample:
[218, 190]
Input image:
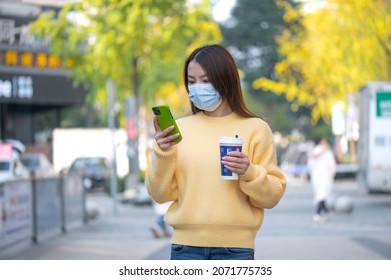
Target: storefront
[32, 81]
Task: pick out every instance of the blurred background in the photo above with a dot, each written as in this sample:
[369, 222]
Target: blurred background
[78, 79]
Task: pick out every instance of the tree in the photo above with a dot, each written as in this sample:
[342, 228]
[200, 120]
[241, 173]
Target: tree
[140, 44]
[250, 34]
[330, 52]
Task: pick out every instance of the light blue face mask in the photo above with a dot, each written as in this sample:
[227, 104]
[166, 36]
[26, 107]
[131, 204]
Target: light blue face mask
[204, 97]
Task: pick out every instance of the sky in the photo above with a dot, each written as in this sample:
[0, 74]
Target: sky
[222, 8]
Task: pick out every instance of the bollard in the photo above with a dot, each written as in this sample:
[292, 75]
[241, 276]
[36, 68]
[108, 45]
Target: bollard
[92, 210]
[34, 236]
[343, 204]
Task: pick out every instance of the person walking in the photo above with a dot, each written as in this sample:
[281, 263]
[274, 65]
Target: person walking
[321, 164]
[160, 229]
[214, 218]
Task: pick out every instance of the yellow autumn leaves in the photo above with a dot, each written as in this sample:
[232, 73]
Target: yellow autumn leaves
[331, 52]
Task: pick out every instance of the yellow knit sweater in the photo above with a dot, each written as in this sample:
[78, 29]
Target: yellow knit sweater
[207, 210]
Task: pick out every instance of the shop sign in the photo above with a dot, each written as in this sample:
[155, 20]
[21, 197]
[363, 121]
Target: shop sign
[5, 151]
[20, 87]
[29, 59]
[383, 104]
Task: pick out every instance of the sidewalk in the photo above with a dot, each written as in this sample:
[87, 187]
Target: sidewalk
[288, 232]
[110, 236]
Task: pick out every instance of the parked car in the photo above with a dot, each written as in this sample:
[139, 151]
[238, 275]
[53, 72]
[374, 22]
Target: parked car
[95, 171]
[294, 160]
[137, 196]
[38, 164]
[11, 167]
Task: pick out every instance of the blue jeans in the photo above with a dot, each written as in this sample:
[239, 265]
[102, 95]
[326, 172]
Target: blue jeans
[184, 252]
[161, 223]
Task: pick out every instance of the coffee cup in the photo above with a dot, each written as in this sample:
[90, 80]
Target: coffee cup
[229, 144]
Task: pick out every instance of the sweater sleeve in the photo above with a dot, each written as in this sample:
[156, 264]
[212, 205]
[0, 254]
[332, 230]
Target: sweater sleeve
[160, 176]
[263, 182]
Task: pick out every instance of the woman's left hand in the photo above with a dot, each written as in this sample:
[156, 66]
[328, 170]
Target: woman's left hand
[237, 162]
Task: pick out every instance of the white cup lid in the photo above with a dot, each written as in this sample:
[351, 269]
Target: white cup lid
[231, 140]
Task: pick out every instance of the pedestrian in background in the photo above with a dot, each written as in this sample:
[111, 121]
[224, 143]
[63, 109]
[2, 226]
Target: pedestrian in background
[214, 218]
[160, 229]
[321, 164]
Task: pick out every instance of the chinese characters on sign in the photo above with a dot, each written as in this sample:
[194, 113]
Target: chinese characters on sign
[17, 87]
[29, 72]
[30, 59]
[18, 36]
[12, 33]
[7, 31]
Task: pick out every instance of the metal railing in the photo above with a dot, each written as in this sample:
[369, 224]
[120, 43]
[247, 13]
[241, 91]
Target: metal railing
[33, 209]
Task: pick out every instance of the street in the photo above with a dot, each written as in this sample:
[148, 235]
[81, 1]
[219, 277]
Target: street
[363, 234]
[288, 232]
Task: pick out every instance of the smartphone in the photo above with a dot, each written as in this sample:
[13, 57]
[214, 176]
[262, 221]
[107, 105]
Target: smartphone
[165, 119]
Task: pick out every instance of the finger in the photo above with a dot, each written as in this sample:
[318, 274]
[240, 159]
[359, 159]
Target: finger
[168, 130]
[235, 168]
[163, 140]
[236, 154]
[170, 138]
[236, 164]
[156, 124]
[175, 136]
[232, 158]
[231, 164]
[163, 134]
[166, 146]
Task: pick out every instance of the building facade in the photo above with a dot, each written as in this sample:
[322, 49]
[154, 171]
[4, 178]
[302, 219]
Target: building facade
[32, 83]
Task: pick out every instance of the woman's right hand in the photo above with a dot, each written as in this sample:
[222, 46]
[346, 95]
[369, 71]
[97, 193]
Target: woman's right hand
[162, 138]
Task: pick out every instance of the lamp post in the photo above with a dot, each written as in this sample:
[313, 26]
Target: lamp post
[110, 87]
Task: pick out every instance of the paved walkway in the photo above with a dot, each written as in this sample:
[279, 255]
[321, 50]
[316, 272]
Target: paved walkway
[288, 232]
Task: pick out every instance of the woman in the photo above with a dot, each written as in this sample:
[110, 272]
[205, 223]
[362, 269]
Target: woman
[214, 218]
[321, 164]
[160, 228]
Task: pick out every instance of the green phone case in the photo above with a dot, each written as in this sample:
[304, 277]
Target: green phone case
[165, 119]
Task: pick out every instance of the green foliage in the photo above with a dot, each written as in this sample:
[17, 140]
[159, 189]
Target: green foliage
[321, 130]
[140, 44]
[250, 35]
[121, 185]
[330, 52]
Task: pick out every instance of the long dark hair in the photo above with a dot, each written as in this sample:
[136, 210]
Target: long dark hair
[222, 72]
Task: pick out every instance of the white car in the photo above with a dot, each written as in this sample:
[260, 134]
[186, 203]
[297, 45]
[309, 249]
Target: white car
[11, 169]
